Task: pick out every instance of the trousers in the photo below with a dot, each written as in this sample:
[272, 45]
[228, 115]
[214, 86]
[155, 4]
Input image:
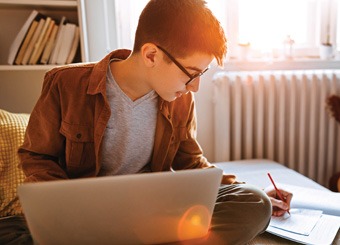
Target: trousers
[14, 231]
[241, 212]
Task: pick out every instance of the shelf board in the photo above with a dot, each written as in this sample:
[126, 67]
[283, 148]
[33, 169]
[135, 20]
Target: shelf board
[52, 3]
[26, 67]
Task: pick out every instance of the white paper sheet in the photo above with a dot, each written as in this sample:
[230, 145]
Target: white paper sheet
[300, 221]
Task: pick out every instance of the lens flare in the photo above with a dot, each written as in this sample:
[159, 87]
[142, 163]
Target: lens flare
[194, 223]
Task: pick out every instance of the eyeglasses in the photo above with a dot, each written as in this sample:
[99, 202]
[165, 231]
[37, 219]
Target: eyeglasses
[192, 77]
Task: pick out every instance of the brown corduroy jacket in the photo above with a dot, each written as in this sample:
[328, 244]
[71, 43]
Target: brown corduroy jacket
[64, 135]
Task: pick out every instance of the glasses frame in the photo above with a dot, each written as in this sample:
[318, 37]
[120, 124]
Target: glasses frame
[192, 77]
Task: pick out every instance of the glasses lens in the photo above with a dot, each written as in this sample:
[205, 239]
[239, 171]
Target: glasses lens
[196, 76]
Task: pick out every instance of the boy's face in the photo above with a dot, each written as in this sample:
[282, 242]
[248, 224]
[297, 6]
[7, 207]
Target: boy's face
[172, 79]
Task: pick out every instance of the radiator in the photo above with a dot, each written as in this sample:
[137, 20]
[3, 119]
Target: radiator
[278, 115]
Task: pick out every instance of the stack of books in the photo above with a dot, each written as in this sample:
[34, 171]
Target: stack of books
[42, 40]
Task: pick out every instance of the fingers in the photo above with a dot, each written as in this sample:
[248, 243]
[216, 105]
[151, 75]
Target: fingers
[279, 204]
[278, 213]
[228, 179]
[280, 207]
[287, 196]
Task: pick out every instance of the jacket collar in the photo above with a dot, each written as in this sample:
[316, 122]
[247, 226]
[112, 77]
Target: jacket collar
[100, 69]
[99, 73]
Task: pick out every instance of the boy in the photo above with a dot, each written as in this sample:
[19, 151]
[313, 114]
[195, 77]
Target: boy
[135, 112]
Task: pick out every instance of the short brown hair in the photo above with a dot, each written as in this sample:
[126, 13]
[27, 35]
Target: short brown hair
[183, 27]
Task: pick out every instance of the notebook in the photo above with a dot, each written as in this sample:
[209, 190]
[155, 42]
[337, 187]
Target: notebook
[129, 209]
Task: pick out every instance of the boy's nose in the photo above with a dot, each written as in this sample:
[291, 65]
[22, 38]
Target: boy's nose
[194, 85]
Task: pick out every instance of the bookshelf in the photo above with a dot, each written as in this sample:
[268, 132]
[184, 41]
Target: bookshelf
[20, 85]
[13, 14]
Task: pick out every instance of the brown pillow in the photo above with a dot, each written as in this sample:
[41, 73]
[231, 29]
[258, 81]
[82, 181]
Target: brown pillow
[12, 130]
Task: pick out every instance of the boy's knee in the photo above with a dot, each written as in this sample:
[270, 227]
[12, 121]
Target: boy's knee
[263, 210]
[267, 212]
[241, 212]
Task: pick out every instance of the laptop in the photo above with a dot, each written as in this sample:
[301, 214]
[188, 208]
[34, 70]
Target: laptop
[143, 208]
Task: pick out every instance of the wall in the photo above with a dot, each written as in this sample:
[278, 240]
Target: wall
[20, 89]
[205, 118]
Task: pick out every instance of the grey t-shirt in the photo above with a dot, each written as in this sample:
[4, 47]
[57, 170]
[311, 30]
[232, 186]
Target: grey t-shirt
[129, 135]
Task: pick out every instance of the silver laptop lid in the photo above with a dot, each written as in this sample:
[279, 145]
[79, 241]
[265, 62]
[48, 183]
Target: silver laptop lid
[130, 209]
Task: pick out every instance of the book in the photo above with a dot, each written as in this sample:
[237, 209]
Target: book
[36, 55]
[17, 43]
[310, 198]
[49, 45]
[323, 232]
[67, 37]
[58, 41]
[44, 42]
[30, 46]
[321, 229]
[37, 46]
[24, 45]
[74, 46]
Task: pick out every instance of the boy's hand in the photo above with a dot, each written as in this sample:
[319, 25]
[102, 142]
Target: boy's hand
[279, 206]
[228, 179]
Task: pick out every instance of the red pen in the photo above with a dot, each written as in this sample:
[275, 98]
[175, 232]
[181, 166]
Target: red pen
[278, 192]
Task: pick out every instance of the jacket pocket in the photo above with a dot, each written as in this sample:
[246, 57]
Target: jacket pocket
[79, 152]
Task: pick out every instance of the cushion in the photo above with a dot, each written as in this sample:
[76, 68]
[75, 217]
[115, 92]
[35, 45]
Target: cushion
[12, 130]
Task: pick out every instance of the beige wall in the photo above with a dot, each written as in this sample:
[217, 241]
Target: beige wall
[19, 90]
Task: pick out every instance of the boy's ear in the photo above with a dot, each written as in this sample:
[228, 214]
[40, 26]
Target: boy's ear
[149, 53]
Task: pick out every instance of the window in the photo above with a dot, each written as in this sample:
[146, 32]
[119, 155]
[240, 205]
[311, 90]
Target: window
[275, 29]
[279, 28]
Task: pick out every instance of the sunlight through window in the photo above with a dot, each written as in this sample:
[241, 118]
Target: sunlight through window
[266, 23]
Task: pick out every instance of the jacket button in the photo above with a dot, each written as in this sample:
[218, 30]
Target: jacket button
[78, 136]
[169, 116]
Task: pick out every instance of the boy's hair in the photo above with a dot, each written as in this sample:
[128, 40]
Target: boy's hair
[182, 27]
